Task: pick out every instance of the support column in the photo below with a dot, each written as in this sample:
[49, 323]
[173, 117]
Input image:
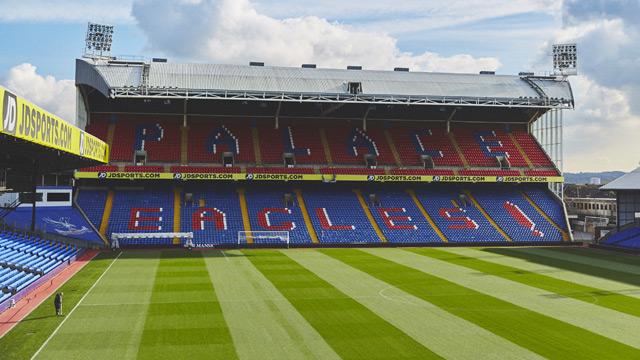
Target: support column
[34, 176]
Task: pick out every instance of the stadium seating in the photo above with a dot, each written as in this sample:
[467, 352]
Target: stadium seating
[541, 173]
[268, 212]
[424, 172]
[628, 238]
[204, 169]
[280, 170]
[533, 150]
[210, 138]
[550, 205]
[92, 201]
[24, 259]
[490, 172]
[144, 168]
[412, 140]
[507, 206]
[399, 218]
[146, 211]
[98, 126]
[213, 215]
[302, 141]
[459, 222]
[349, 144]
[481, 146]
[352, 171]
[103, 168]
[337, 216]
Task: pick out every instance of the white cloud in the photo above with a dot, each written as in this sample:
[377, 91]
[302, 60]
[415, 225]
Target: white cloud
[603, 131]
[56, 96]
[602, 134]
[233, 31]
[112, 11]
[407, 15]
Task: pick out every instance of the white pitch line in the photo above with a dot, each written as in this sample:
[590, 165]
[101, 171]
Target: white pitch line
[74, 308]
[225, 255]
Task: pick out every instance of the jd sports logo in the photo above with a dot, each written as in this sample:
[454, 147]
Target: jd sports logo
[249, 177]
[436, 178]
[370, 178]
[500, 179]
[102, 175]
[177, 176]
[10, 110]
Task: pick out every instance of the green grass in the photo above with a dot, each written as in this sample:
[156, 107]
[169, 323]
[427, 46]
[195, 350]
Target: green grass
[26, 337]
[537, 256]
[608, 299]
[544, 335]
[341, 303]
[184, 319]
[617, 257]
[352, 330]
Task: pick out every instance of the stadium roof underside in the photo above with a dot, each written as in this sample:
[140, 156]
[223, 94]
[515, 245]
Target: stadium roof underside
[25, 156]
[131, 80]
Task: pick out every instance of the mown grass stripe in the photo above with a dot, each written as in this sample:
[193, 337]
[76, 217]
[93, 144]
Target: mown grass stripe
[352, 330]
[544, 335]
[184, 319]
[108, 323]
[612, 324]
[27, 336]
[601, 254]
[247, 298]
[570, 262]
[556, 273]
[584, 293]
[445, 334]
[579, 257]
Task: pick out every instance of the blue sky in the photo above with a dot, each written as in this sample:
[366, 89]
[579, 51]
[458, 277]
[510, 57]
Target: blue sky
[41, 39]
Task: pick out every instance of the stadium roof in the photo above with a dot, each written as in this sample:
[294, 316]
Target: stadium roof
[630, 181]
[131, 79]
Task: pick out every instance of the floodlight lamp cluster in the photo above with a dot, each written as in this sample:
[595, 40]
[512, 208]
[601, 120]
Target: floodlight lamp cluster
[565, 59]
[99, 38]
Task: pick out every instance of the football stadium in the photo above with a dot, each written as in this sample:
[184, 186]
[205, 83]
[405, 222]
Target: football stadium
[212, 211]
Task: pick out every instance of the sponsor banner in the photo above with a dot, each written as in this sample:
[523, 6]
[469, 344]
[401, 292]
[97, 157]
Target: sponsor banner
[25, 120]
[313, 177]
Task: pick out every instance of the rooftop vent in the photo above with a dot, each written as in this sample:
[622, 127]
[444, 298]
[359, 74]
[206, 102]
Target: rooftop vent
[486, 72]
[354, 67]
[256, 63]
[401, 69]
[159, 60]
[308, 66]
[525, 73]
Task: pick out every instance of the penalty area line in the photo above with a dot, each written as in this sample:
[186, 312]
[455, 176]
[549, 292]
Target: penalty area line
[74, 308]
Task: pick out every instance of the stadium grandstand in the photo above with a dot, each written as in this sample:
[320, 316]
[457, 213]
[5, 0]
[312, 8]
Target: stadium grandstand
[229, 153]
[427, 206]
[626, 235]
[35, 143]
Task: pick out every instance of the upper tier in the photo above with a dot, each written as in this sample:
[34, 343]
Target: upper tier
[394, 144]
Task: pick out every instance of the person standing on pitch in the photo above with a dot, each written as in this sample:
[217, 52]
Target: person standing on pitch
[58, 303]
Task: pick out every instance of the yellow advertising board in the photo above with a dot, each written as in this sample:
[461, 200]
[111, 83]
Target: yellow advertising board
[313, 177]
[27, 121]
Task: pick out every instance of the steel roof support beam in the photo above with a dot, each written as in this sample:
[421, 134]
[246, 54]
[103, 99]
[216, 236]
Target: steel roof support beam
[341, 98]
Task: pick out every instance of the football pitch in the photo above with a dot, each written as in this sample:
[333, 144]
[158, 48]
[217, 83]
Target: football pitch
[454, 303]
